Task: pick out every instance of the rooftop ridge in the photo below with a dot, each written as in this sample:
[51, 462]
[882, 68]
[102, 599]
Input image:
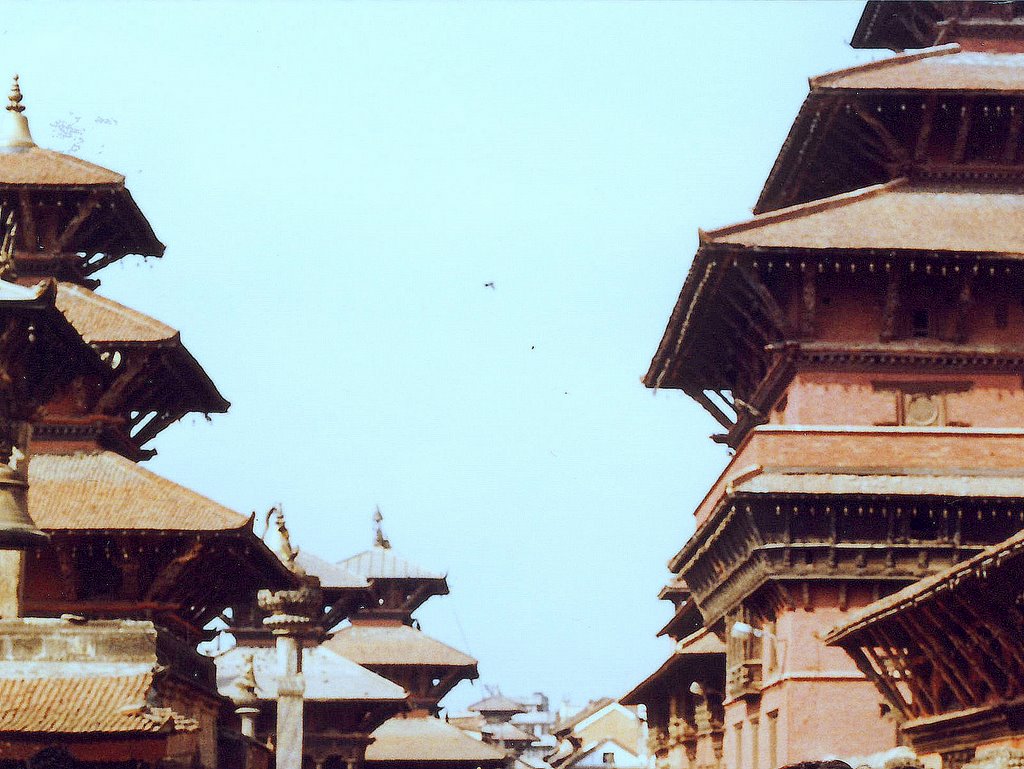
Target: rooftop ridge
[891, 61]
[791, 212]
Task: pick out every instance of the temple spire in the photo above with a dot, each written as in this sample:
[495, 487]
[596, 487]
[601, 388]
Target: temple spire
[379, 539]
[18, 133]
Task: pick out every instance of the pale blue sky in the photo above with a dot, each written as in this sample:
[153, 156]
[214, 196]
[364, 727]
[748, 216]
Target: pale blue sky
[337, 182]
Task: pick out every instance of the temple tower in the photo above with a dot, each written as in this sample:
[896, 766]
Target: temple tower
[859, 342]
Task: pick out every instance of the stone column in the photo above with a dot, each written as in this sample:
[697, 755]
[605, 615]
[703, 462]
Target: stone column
[292, 618]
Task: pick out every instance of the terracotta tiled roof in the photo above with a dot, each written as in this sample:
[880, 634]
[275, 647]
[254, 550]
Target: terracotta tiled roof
[385, 563]
[395, 645]
[35, 166]
[106, 491]
[329, 676]
[987, 560]
[428, 739]
[891, 216]
[99, 319]
[497, 703]
[331, 575]
[943, 68]
[86, 705]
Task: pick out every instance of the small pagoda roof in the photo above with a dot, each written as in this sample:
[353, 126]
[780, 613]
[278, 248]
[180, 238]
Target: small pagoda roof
[429, 739]
[943, 68]
[109, 325]
[497, 703]
[88, 705]
[99, 319]
[980, 565]
[695, 649]
[507, 732]
[398, 645]
[891, 216]
[329, 677]
[332, 576]
[384, 563]
[105, 491]
[37, 167]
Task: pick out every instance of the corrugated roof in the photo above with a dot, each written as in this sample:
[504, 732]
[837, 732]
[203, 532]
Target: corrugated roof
[385, 563]
[35, 166]
[329, 676]
[99, 319]
[395, 645]
[943, 68]
[892, 216]
[86, 705]
[796, 481]
[428, 739]
[106, 491]
[497, 703]
[332, 576]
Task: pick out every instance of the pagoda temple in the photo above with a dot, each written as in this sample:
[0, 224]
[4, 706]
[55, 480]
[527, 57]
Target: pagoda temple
[858, 341]
[384, 638]
[111, 574]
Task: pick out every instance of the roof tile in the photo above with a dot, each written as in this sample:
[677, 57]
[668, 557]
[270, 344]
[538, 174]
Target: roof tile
[106, 491]
[86, 705]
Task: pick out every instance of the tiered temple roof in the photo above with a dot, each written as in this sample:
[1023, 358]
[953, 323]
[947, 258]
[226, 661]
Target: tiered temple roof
[858, 340]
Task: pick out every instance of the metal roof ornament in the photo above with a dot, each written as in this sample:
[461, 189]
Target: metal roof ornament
[277, 538]
[379, 539]
[19, 134]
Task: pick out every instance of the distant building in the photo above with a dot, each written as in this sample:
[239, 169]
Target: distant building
[604, 733]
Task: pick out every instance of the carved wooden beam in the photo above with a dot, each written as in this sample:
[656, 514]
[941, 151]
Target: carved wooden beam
[962, 132]
[710, 406]
[893, 296]
[963, 306]
[808, 301]
[27, 218]
[924, 135]
[939, 657]
[928, 703]
[976, 653]
[1013, 133]
[85, 210]
[171, 573]
[765, 299]
[893, 148]
[125, 376]
[879, 679]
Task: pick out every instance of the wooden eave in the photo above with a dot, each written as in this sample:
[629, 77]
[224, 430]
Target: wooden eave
[686, 620]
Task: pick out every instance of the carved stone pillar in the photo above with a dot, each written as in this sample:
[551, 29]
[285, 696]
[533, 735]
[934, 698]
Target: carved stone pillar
[291, 617]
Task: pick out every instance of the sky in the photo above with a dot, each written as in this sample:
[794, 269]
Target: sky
[427, 251]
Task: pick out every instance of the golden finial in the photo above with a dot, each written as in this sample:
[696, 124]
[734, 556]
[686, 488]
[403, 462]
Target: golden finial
[379, 539]
[15, 97]
[18, 134]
